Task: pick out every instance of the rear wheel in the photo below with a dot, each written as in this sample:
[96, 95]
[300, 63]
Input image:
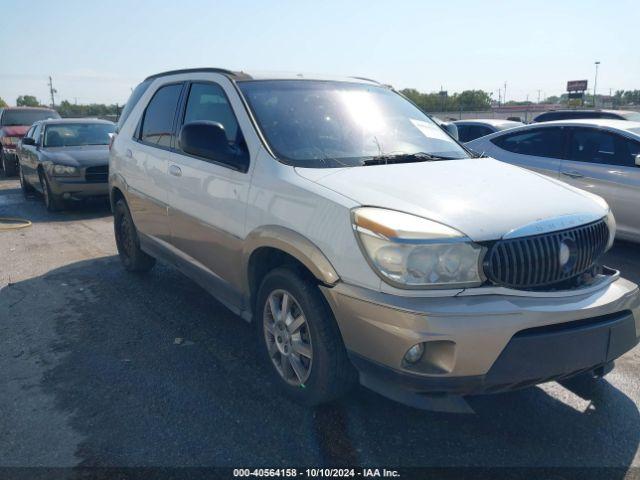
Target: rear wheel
[300, 339]
[52, 201]
[131, 255]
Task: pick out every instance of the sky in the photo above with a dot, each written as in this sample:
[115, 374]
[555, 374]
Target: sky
[97, 51]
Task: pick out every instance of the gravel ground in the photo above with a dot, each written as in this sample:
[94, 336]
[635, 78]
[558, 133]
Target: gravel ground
[91, 375]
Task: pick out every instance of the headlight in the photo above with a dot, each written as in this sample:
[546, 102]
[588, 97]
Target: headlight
[64, 170]
[611, 224]
[9, 141]
[413, 252]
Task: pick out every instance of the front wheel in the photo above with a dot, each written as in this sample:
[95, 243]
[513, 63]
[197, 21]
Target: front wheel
[300, 339]
[26, 188]
[53, 202]
[131, 255]
[8, 168]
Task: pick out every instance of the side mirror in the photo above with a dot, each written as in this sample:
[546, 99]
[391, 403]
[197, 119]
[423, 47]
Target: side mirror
[638, 160]
[451, 128]
[208, 140]
[28, 141]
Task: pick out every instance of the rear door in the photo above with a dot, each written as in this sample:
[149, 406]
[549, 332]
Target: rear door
[208, 197]
[539, 149]
[603, 162]
[148, 160]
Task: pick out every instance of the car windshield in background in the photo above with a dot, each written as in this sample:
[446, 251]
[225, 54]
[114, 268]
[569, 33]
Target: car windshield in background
[632, 116]
[77, 134]
[26, 117]
[332, 124]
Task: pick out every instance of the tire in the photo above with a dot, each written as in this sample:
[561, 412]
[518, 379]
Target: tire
[132, 257]
[53, 202]
[323, 372]
[9, 168]
[26, 188]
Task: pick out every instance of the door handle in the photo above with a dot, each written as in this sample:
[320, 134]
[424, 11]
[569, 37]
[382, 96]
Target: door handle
[573, 174]
[175, 170]
[129, 153]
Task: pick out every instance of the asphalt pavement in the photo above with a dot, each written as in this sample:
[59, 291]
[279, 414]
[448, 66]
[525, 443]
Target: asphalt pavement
[99, 367]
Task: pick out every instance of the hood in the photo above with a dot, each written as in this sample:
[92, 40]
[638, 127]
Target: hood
[15, 130]
[85, 156]
[483, 198]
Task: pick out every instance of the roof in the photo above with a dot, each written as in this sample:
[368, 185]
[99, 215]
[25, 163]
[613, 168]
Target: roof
[488, 121]
[242, 76]
[50, 121]
[595, 122]
[28, 108]
[588, 110]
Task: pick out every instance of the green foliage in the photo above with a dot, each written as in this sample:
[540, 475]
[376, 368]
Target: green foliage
[27, 101]
[464, 101]
[3, 103]
[626, 97]
[67, 109]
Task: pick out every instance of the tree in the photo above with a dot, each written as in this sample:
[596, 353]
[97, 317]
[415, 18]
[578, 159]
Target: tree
[3, 103]
[27, 101]
[434, 102]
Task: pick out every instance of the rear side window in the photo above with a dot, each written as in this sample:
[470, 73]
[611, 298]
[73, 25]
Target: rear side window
[158, 120]
[599, 146]
[133, 100]
[471, 132]
[543, 142]
[207, 101]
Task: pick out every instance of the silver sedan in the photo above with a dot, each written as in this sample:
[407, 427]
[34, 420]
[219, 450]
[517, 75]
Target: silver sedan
[597, 155]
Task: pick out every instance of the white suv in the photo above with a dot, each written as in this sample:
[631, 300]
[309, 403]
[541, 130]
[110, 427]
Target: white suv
[363, 241]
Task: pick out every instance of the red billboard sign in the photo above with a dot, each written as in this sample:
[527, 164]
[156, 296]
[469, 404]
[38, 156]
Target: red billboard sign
[576, 85]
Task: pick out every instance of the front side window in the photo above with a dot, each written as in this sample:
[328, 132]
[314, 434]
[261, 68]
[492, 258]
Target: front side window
[542, 142]
[77, 134]
[26, 117]
[319, 124]
[37, 133]
[158, 119]
[208, 101]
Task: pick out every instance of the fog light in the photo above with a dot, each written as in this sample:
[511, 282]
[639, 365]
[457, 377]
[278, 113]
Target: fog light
[414, 353]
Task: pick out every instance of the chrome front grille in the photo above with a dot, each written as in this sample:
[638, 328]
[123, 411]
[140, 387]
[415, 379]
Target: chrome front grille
[546, 259]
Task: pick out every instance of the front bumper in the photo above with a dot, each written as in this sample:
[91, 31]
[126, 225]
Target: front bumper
[77, 187]
[484, 343]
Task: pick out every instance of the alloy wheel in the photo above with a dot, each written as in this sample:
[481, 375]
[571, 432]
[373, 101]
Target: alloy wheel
[287, 336]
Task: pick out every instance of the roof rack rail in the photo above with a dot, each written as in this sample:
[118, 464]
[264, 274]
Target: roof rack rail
[223, 71]
[367, 80]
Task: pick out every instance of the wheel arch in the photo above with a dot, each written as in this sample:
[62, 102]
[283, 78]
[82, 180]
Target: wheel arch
[271, 246]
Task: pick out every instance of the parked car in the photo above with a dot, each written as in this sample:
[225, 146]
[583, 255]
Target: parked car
[66, 160]
[362, 241]
[471, 129]
[580, 114]
[600, 156]
[14, 123]
[449, 127]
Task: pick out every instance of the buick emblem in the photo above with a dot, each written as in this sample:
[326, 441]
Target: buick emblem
[566, 253]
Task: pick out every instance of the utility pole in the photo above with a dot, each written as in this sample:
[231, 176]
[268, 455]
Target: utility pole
[52, 91]
[538, 96]
[595, 84]
[505, 92]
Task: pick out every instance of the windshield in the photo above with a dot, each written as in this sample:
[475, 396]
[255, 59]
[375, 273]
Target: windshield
[26, 117]
[332, 124]
[77, 134]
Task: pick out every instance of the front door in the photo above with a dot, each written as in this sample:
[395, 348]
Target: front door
[207, 198]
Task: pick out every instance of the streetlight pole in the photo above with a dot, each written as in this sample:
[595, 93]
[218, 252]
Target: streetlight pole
[595, 84]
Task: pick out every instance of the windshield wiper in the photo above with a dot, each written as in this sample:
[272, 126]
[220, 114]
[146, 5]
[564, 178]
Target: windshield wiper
[405, 158]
